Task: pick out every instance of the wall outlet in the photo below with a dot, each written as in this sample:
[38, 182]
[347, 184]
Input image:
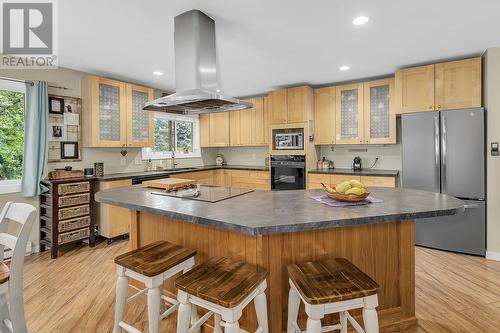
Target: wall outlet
[138, 160]
[123, 161]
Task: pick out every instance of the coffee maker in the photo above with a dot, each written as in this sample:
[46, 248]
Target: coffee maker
[356, 163]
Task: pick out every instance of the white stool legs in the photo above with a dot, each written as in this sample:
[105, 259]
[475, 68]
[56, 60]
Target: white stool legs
[293, 310]
[154, 298]
[121, 298]
[316, 312]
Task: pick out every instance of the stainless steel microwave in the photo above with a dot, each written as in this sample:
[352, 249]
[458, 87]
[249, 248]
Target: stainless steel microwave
[288, 139]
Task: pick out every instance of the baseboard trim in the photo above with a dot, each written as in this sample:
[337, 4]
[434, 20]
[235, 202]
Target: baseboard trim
[490, 255]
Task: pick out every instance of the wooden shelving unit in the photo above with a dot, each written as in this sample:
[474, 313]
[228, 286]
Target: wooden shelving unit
[66, 212]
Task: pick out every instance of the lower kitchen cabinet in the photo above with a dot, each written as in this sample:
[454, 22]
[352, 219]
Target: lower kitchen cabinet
[378, 181]
[315, 180]
[259, 180]
[113, 221]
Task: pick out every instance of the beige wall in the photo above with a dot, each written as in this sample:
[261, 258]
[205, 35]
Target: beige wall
[491, 92]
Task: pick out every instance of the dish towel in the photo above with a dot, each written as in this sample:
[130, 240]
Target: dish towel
[334, 203]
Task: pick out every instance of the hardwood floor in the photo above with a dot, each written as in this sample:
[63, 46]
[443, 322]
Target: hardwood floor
[75, 293]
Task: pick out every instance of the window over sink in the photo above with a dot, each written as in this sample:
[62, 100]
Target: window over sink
[174, 132]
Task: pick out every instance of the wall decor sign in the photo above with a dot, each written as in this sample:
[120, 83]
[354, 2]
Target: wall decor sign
[64, 126]
[56, 105]
[69, 150]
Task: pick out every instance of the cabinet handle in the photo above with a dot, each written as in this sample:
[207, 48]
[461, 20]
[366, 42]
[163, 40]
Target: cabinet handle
[430, 107]
[439, 106]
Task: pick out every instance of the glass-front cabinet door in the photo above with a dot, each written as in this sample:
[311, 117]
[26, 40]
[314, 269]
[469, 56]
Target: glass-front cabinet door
[139, 121]
[349, 114]
[110, 120]
[380, 118]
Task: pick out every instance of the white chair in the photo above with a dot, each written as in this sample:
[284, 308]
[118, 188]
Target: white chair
[11, 280]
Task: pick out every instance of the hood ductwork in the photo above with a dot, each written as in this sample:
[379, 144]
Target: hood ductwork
[196, 76]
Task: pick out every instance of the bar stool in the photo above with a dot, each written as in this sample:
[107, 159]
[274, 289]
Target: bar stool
[224, 287]
[151, 265]
[331, 286]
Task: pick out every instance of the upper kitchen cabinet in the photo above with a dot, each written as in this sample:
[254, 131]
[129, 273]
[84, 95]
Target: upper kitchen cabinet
[204, 130]
[458, 84]
[292, 105]
[241, 127]
[219, 129]
[260, 120]
[379, 115]
[139, 122]
[300, 104]
[443, 86]
[415, 89]
[112, 114]
[349, 114]
[277, 103]
[324, 116]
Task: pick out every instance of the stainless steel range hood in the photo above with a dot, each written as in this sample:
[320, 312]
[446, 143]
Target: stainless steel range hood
[196, 76]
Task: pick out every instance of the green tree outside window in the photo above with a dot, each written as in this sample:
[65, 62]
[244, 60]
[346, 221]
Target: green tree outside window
[11, 134]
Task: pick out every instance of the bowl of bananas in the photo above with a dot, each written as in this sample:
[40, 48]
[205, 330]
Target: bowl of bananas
[349, 191]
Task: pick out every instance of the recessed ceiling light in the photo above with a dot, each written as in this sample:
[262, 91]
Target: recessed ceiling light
[360, 20]
[344, 68]
[158, 73]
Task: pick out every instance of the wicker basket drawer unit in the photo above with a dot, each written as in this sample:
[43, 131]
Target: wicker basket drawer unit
[71, 188]
[72, 224]
[75, 199]
[67, 213]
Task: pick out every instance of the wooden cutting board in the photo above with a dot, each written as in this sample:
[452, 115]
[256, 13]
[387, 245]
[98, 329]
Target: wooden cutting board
[167, 183]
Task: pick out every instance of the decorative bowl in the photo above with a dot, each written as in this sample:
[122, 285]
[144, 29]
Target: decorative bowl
[347, 197]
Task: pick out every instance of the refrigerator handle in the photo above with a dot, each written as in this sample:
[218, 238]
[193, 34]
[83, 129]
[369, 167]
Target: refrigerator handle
[443, 153]
[436, 146]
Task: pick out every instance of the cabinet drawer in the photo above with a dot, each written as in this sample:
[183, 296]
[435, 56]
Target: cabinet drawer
[67, 237]
[260, 175]
[75, 199]
[73, 188]
[378, 181]
[73, 224]
[66, 213]
[336, 179]
[315, 180]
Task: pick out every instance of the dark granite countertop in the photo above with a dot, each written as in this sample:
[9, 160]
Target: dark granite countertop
[139, 174]
[263, 212]
[362, 172]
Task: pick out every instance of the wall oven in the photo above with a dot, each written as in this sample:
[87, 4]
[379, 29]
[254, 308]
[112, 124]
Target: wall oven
[288, 172]
[288, 139]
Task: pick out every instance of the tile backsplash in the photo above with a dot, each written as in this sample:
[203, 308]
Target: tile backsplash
[389, 156]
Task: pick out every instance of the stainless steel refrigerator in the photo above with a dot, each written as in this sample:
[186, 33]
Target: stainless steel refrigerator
[445, 152]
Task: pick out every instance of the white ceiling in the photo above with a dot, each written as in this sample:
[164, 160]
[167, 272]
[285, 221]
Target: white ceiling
[266, 44]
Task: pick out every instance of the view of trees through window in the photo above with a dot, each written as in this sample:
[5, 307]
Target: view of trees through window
[11, 134]
[169, 134]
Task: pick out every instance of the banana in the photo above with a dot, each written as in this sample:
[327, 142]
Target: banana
[355, 191]
[343, 187]
[328, 188]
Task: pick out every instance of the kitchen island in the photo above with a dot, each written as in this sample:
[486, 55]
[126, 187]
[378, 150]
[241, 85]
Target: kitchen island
[274, 229]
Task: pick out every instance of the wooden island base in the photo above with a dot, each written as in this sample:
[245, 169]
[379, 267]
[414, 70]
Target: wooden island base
[384, 251]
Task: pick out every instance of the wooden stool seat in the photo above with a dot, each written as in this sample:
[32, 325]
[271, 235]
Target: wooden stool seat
[330, 281]
[222, 281]
[4, 273]
[155, 258]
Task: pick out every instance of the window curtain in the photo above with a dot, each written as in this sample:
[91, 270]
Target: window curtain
[35, 138]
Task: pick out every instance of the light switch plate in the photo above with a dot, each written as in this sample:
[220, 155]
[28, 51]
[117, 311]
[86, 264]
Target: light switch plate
[494, 149]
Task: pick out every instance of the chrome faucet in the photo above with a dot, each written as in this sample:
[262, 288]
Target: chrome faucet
[173, 158]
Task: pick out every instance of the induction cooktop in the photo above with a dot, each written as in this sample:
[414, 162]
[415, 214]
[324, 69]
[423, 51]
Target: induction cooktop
[207, 193]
